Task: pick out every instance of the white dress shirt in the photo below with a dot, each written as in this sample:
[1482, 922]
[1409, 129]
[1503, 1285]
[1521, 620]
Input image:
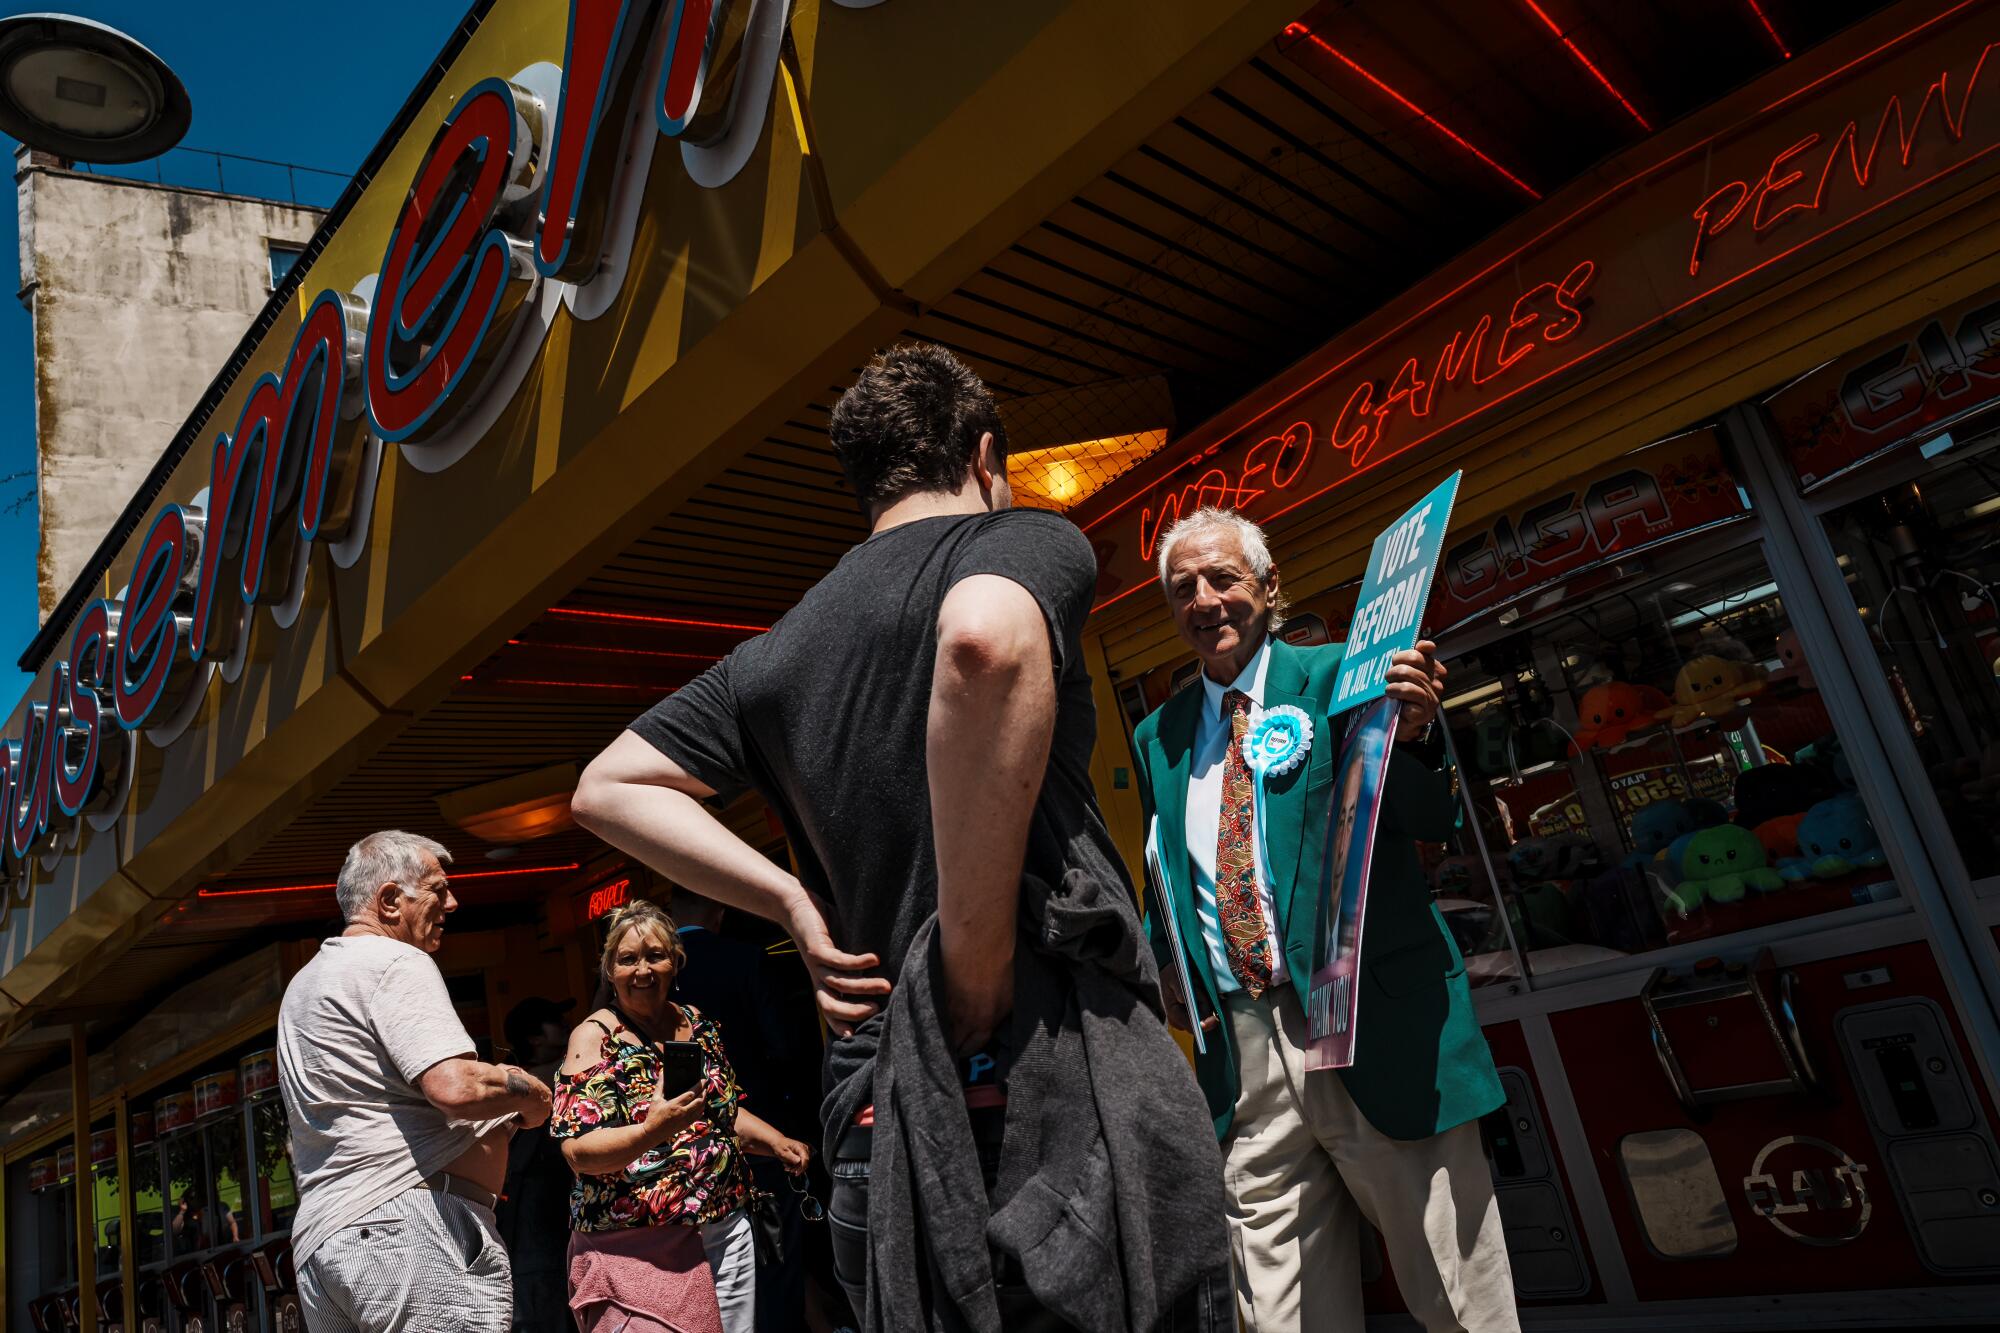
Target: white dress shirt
[1204, 819]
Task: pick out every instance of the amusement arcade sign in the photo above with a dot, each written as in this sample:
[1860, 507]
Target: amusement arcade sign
[526, 200]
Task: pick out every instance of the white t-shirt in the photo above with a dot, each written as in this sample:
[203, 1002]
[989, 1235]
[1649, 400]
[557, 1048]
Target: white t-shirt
[359, 1025]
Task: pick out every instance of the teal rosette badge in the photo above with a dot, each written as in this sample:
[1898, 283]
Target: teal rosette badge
[1277, 744]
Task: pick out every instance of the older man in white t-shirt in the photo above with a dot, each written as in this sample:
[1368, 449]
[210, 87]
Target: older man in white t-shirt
[399, 1135]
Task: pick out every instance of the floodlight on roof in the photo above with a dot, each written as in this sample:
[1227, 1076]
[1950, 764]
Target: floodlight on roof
[86, 92]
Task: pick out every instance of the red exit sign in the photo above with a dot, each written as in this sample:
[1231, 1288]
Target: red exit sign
[607, 899]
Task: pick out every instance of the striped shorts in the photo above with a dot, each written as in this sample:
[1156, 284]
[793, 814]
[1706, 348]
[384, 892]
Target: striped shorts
[422, 1261]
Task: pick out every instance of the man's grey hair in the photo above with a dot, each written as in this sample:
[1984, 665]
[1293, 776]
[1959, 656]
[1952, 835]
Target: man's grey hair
[1250, 537]
[381, 858]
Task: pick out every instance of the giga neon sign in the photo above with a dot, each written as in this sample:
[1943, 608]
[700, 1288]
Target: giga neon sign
[519, 205]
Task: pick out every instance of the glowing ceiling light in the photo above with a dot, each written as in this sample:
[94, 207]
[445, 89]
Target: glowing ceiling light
[1063, 483]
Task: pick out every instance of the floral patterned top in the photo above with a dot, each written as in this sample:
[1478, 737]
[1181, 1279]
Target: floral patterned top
[695, 1178]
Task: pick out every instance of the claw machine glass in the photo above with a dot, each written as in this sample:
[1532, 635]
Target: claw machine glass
[1646, 746]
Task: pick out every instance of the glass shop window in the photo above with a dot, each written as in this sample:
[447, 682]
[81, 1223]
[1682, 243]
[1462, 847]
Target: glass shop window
[106, 1198]
[229, 1172]
[1468, 896]
[55, 1225]
[1653, 764]
[1894, 447]
[148, 1205]
[1921, 555]
[277, 1189]
[187, 1202]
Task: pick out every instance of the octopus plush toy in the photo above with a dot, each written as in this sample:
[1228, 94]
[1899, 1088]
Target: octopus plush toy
[1710, 687]
[1455, 876]
[1792, 661]
[1835, 839]
[1780, 837]
[1660, 833]
[1611, 712]
[1722, 864]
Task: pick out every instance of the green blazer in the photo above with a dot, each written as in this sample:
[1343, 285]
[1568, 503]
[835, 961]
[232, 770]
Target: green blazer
[1421, 1065]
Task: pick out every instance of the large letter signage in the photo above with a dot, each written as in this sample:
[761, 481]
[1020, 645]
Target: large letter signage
[514, 192]
[456, 270]
[1680, 238]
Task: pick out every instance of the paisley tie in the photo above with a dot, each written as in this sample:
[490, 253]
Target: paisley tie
[1245, 935]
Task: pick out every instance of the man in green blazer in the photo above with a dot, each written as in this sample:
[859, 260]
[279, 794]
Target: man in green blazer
[1394, 1138]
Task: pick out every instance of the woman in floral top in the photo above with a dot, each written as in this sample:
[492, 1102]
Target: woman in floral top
[660, 1232]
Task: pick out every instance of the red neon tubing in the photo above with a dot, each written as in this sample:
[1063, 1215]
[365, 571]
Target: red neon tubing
[1301, 30]
[1583, 356]
[635, 617]
[308, 888]
[1576, 54]
[1630, 183]
[1776, 40]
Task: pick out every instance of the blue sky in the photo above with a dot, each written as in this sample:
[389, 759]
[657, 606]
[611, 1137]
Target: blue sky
[262, 77]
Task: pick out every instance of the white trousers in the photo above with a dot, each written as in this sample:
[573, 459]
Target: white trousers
[732, 1257]
[1303, 1166]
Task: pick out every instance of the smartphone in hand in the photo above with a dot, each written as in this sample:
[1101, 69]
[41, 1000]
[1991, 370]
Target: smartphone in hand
[681, 1067]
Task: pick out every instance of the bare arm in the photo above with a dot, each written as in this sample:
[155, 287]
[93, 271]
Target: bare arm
[992, 719]
[468, 1089]
[760, 1136]
[649, 807]
[607, 1150]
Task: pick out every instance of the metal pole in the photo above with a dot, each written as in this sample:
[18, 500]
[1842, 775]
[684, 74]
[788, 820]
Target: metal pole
[1485, 854]
[128, 1231]
[86, 1229]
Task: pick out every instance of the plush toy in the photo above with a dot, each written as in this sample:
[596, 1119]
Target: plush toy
[1835, 839]
[1709, 687]
[1770, 790]
[1455, 876]
[1661, 831]
[1792, 659]
[1780, 837]
[1553, 857]
[1575, 856]
[1531, 860]
[1658, 824]
[1611, 712]
[1722, 864]
[1826, 755]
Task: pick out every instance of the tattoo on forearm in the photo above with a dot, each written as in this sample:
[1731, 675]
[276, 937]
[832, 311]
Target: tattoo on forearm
[519, 1084]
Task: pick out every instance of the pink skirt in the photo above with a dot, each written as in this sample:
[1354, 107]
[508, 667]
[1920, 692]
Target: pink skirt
[643, 1277]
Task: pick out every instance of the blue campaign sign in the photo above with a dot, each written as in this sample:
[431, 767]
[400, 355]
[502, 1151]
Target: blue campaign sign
[1389, 614]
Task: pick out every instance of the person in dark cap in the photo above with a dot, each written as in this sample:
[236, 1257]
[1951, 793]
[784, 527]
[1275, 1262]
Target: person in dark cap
[533, 1215]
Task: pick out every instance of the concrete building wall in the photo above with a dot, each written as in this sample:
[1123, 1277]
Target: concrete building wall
[139, 293]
